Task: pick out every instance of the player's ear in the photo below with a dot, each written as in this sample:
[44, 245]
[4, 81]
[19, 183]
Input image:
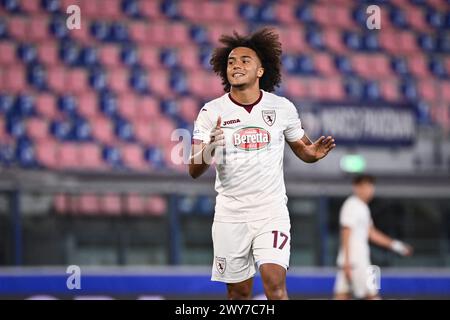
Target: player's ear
[260, 72]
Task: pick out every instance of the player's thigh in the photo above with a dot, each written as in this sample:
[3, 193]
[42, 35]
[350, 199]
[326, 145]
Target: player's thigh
[341, 286]
[233, 261]
[362, 285]
[272, 244]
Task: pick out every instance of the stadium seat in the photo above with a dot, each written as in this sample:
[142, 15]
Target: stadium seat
[8, 56]
[102, 129]
[46, 106]
[17, 28]
[91, 157]
[134, 204]
[118, 80]
[37, 129]
[48, 53]
[111, 204]
[88, 204]
[76, 81]
[156, 205]
[68, 156]
[87, 106]
[61, 129]
[133, 157]
[112, 156]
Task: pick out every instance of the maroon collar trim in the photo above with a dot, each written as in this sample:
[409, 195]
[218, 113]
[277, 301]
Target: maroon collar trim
[247, 107]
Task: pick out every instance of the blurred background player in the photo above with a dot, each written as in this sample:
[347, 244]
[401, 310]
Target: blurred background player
[250, 125]
[357, 229]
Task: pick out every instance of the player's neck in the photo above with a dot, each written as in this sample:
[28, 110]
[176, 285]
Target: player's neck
[245, 96]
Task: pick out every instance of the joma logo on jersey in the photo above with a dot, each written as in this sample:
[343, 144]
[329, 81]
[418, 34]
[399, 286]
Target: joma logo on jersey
[251, 138]
[225, 123]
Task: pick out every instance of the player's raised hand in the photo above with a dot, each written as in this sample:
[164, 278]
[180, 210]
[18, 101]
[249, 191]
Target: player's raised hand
[216, 136]
[319, 149]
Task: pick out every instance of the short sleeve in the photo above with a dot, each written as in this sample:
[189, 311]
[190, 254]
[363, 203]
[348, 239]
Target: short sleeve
[348, 215]
[202, 126]
[294, 130]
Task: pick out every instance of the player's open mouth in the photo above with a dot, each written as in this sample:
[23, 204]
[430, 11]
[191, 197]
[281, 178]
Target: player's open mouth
[238, 75]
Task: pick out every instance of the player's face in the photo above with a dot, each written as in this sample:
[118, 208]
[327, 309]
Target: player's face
[244, 67]
[366, 191]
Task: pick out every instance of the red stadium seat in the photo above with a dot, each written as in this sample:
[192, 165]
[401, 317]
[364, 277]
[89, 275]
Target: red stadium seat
[341, 16]
[69, 156]
[138, 32]
[227, 12]
[416, 19]
[87, 106]
[91, 157]
[333, 41]
[179, 34]
[389, 90]
[110, 9]
[109, 55]
[164, 129]
[90, 9]
[128, 106]
[284, 12]
[151, 9]
[296, 87]
[61, 203]
[118, 80]
[38, 28]
[37, 129]
[82, 35]
[149, 57]
[17, 28]
[76, 80]
[188, 10]
[4, 136]
[159, 83]
[428, 90]
[189, 109]
[324, 64]
[156, 205]
[46, 154]
[145, 132]
[189, 58]
[102, 129]
[30, 7]
[46, 106]
[111, 204]
[88, 204]
[445, 91]
[134, 204]
[133, 157]
[48, 53]
[56, 79]
[14, 79]
[158, 34]
[8, 53]
[418, 65]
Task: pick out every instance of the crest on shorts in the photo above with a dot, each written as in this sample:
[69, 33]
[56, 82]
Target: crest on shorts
[269, 116]
[221, 264]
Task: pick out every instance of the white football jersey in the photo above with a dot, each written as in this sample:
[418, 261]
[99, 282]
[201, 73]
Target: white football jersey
[355, 214]
[249, 168]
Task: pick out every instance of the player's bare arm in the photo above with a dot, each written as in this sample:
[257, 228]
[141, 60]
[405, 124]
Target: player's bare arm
[379, 238]
[311, 152]
[202, 153]
[345, 239]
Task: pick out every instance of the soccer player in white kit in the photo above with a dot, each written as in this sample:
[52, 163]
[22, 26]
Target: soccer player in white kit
[355, 274]
[245, 130]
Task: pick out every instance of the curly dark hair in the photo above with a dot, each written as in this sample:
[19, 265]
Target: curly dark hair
[265, 43]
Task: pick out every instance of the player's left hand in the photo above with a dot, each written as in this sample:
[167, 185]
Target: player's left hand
[321, 147]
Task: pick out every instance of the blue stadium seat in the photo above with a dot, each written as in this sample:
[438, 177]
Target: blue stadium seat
[314, 39]
[178, 82]
[354, 89]
[248, 12]
[353, 40]
[37, 76]
[6, 154]
[266, 13]
[3, 29]
[12, 6]
[118, 32]
[82, 130]
[97, 78]
[305, 64]
[427, 42]
[372, 90]
[408, 90]
[67, 104]
[52, 6]
[170, 107]
[15, 126]
[169, 58]
[130, 8]
[88, 56]
[186, 205]
[123, 130]
[343, 64]
[398, 18]
[435, 19]
[58, 28]
[205, 53]
[112, 156]
[69, 53]
[129, 55]
[108, 103]
[25, 153]
[289, 63]
[205, 205]
[6, 103]
[27, 53]
[199, 34]
[24, 105]
[154, 156]
[371, 41]
[399, 66]
[139, 80]
[61, 130]
[437, 67]
[170, 9]
[304, 13]
[100, 30]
